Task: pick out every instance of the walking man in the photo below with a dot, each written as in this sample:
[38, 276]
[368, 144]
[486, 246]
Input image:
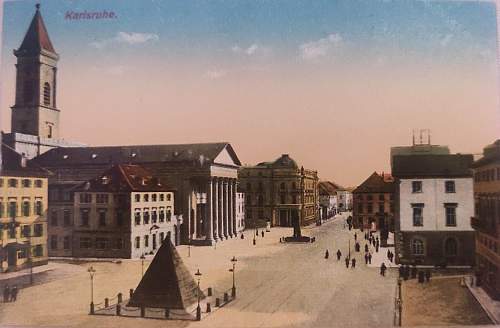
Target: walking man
[327, 254]
[369, 258]
[339, 254]
[13, 294]
[353, 263]
[6, 293]
[355, 236]
[382, 269]
[347, 262]
[262, 233]
[366, 258]
[366, 248]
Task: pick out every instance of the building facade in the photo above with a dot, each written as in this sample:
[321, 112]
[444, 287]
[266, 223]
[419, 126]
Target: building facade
[486, 220]
[240, 212]
[23, 214]
[373, 203]
[327, 199]
[124, 213]
[279, 191]
[434, 204]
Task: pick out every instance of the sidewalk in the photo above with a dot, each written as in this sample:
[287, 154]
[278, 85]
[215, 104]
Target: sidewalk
[490, 306]
[26, 272]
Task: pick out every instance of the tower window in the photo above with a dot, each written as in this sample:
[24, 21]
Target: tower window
[46, 94]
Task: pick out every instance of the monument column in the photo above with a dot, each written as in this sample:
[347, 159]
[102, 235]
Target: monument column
[209, 218]
[215, 208]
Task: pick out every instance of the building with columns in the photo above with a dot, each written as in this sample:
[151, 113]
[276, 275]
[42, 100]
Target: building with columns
[278, 192]
[203, 175]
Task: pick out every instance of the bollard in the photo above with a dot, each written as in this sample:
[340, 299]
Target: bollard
[226, 297]
[167, 313]
[92, 308]
[217, 302]
[209, 308]
[209, 292]
[120, 298]
[118, 309]
[131, 291]
[143, 311]
[106, 302]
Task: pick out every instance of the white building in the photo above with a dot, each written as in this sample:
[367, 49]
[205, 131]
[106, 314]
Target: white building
[434, 206]
[240, 212]
[328, 200]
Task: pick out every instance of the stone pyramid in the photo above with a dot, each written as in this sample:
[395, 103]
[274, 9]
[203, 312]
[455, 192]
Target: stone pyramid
[167, 282]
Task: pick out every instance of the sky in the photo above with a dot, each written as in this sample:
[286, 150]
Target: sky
[334, 84]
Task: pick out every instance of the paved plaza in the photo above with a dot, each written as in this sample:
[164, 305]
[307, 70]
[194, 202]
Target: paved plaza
[278, 285]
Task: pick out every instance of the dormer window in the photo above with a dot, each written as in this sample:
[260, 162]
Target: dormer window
[65, 156]
[94, 156]
[133, 155]
[105, 180]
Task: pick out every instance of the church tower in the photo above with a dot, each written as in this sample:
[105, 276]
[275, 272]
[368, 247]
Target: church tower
[35, 111]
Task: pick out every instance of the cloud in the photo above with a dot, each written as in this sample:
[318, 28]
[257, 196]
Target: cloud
[214, 74]
[131, 38]
[253, 50]
[320, 48]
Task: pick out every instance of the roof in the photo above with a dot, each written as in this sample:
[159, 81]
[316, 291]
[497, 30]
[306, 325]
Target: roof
[124, 178]
[429, 166]
[491, 154]
[285, 161]
[36, 38]
[167, 282]
[375, 183]
[13, 164]
[327, 188]
[202, 153]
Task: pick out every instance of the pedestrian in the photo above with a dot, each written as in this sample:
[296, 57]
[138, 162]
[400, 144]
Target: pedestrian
[353, 263]
[347, 262]
[376, 248]
[428, 275]
[382, 269]
[242, 236]
[13, 294]
[369, 258]
[377, 243]
[339, 254]
[366, 258]
[388, 254]
[355, 236]
[6, 293]
[401, 271]
[327, 254]
[366, 248]
[358, 247]
[413, 272]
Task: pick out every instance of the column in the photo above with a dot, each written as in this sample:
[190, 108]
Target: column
[209, 218]
[220, 210]
[215, 208]
[226, 209]
[233, 209]
[230, 206]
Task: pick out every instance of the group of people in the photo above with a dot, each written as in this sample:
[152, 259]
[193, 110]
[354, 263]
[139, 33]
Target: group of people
[406, 273]
[390, 255]
[10, 294]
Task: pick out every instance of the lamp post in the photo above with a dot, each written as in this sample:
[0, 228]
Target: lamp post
[233, 290]
[198, 308]
[142, 264]
[189, 248]
[91, 271]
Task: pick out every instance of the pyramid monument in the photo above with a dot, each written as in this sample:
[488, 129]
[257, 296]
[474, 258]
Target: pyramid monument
[167, 283]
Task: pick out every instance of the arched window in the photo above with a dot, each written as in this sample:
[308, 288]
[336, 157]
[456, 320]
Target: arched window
[450, 247]
[417, 247]
[46, 94]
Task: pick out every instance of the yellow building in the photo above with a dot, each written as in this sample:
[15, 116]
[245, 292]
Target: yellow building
[23, 221]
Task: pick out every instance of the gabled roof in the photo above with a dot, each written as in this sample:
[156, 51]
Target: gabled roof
[167, 283]
[202, 153]
[12, 164]
[328, 188]
[284, 161]
[124, 178]
[375, 184]
[36, 38]
[431, 166]
[491, 154]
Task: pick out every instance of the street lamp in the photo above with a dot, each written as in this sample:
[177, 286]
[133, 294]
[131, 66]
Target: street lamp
[91, 271]
[189, 248]
[198, 309]
[142, 263]
[233, 290]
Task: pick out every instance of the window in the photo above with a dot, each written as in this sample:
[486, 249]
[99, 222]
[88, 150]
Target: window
[370, 198]
[46, 94]
[153, 197]
[162, 197]
[137, 217]
[146, 197]
[418, 211]
[53, 242]
[449, 186]
[294, 199]
[101, 243]
[67, 218]
[119, 218]
[416, 186]
[169, 214]
[162, 236]
[381, 197]
[102, 218]
[282, 186]
[417, 247]
[38, 251]
[137, 198]
[370, 208]
[283, 198]
[169, 197]
[154, 216]
[154, 241]
[249, 200]
[294, 186]
[85, 198]
[38, 207]
[1, 182]
[22, 254]
[381, 209]
[102, 198]
[53, 218]
[137, 242]
[66, 242]
[25, 231]
[260, 200]
[26, 183]
[2, 209]
[146, 217]
[38, 230]
[360, 208]
[12, 183]
[38, 183]
[162, 215]
[84, 214]
[450, 247]
[451, 215]
[85, 242]
[26, 208]
[249, 186]
[146, 241]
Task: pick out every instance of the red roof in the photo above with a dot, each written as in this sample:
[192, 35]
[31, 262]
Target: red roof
[36, 38]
